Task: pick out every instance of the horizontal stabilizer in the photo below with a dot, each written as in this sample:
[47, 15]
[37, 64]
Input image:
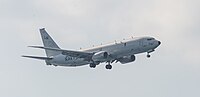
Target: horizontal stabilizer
[40, 58]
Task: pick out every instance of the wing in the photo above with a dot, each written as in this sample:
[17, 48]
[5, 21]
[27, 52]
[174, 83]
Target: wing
[77, 54]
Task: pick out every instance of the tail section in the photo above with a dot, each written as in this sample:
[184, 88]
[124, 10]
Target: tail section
[49, 42]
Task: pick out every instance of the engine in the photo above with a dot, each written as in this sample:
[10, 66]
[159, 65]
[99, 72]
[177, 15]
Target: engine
[127, 59]
[100, 56]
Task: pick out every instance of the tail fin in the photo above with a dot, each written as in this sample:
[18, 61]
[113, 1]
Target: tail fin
[49, 42]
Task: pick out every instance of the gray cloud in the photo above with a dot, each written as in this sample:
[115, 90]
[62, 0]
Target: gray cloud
[173, 69]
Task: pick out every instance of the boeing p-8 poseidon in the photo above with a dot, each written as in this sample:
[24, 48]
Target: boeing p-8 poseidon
[123, 52]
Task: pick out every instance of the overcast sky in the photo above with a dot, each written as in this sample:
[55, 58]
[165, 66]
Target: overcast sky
[172, 71]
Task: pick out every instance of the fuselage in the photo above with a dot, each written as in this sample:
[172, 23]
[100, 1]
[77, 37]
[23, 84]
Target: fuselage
[115, 51]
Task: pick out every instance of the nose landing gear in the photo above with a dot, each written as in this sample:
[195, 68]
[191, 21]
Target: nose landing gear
[148, 55]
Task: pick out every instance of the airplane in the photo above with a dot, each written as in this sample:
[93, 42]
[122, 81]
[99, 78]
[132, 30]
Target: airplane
[123, 52]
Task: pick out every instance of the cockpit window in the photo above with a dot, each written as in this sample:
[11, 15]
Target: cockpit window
[150, 39]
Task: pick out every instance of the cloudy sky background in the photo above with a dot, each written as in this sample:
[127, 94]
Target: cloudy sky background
[172, 71]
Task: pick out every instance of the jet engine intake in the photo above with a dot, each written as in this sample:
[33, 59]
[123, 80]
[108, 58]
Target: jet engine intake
[100, 56]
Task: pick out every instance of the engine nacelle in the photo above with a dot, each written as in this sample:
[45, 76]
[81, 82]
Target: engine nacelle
[127, 59]
[100, 56]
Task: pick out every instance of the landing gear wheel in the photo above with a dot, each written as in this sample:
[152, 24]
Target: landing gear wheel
[148, 56]
[92, 66]
[109, 66]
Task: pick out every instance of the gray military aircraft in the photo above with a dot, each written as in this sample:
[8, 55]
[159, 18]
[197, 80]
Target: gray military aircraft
[123, 52]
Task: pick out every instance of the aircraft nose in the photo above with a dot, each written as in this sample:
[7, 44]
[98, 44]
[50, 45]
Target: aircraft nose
[159, 42]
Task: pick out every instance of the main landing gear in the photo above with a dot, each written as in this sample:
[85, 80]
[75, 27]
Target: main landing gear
[108, 66]
[93, 65]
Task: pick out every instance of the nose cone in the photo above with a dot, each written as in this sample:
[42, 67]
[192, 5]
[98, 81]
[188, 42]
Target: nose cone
[159, 42]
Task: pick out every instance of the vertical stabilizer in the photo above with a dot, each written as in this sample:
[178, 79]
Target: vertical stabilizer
[48, 42]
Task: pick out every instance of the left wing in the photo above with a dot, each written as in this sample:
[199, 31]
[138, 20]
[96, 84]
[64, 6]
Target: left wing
[77, 54]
